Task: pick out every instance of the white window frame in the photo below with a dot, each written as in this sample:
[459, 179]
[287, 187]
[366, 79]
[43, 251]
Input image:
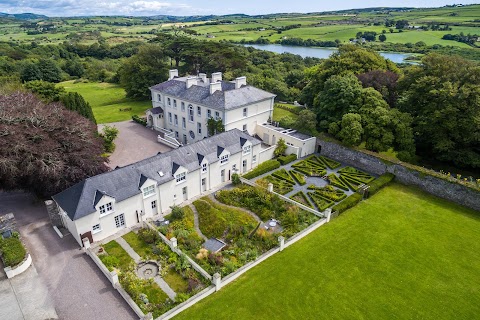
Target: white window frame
[176, 135]
[174, 103]
[169, 102]
[159, 97]
[254, 158]
[199, 127]
[105, 209]
[183, 106]
[245, 112]
[224, 159]
[149, 191]
[199, 111]
[181, 177]
[190, 113]
[204, 167]
[217, 115]
[96, 228]
[120, 220]
[209, 113]
[247, 149]
[244, 128]
[184, 123]
[154, 204]
[175, 120]
[170, 117]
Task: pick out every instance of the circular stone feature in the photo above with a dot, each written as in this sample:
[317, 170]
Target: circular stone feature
[148, 269]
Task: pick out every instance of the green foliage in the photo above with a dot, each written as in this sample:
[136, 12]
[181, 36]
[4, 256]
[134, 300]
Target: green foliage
[148, 236]
[306, 122]
[311, 167]
[12, 251]
[329, 193]
[114, 249]
[301, 198]
[348, 203]
[320, 201]
[377, 184]
[215, 126]
[109, 134]
[351, 129]
[46, 90]
[335, 181]
[109, 261]
[236, 179]
[178, 213]
[298, 177]
[332, 164]
[281, 148]
[75, 102]
[137, 119]
[287, 159]
[262, 168]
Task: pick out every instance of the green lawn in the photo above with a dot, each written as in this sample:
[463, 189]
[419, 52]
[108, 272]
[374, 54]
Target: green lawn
[403, 254]
[279, 113]
[107, 99]
[138, 245]
[114, 249]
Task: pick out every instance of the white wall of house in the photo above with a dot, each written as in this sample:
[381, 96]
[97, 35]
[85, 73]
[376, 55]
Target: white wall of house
[249, 115]
[271, 137]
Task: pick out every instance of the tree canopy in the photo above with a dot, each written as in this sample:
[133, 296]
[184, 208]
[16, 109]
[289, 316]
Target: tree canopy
[45, 148]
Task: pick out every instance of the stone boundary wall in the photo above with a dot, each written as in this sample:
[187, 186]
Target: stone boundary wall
[441, 188]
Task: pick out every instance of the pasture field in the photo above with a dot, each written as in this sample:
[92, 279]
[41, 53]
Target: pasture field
[107, 99]
[402, 254]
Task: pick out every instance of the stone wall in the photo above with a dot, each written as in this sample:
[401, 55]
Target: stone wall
[442, 188]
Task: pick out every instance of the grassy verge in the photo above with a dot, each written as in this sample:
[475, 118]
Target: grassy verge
[107, 99]
[396, 255]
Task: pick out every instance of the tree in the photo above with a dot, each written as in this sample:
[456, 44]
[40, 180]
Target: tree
[75, 102]
[281, 148]
[351, 129]
[109, 134]
[382, 37]
[44, 147]
[74, 68]
[401, 24]
[442, 94]
[143, 70]
[30, 72]
[47, 91]
[384, 82]
[306, 122]
[51, 72]
[214, 126]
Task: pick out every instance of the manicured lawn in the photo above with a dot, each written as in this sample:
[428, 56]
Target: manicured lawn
[278, 114]
[175, 281]
[114, 249]
[107, 99]
[402, 254]
[137, 244]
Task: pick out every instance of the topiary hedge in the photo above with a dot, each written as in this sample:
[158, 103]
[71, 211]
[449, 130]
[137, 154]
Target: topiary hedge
[137, 119]
[262, 168]
[348, 203]
[287, 159]
[379, 183]
[12, 250]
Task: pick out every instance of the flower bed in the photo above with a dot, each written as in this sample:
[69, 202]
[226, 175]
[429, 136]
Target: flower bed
[332, 164]
[280, 186]
[334, 180]
[12, 251]
[329, 192]
[311, 167]
[300, 178]
[300, 197]
[321, 202]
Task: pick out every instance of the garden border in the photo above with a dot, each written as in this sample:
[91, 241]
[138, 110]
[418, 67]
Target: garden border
[19, 268]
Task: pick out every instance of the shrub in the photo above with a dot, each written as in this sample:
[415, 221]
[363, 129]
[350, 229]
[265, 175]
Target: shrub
[235, 179]
[348, 203]
[177, 213]
[262, 168]
[109, 261]
[148, 235]
[380, 182]
[137, 119]
[13, 252]
[287, 159]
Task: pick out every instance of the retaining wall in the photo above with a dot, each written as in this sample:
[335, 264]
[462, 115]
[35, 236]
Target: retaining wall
[18, 269]
[445, 189]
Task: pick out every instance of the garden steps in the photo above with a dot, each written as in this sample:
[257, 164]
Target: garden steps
[165, 287]
[212, 197]
[196, 223]
[124, 244]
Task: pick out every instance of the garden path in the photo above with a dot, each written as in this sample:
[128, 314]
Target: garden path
[196, 224]
[165, 287]
[128, 249]
[212, 197]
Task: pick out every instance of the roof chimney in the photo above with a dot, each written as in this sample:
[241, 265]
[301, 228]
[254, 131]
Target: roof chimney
[172, 74]
[239, 82]
[191, 81]
[215, 86]
[203, 77]
[216, 77]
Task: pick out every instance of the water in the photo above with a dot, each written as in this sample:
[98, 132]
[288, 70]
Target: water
[322, 53]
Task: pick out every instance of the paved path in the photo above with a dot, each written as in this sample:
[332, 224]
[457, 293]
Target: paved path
[134, 143]
[196, 223]
[212, 197]
[124, 244]
[75, 285]
[165, 287]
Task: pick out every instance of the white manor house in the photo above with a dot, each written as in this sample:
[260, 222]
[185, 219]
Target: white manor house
[103, 205]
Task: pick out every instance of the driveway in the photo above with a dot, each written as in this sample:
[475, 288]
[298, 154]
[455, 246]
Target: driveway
[134, 143]
[76, 286]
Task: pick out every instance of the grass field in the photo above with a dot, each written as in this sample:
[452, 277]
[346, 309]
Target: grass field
[107, 99]
[403, 254]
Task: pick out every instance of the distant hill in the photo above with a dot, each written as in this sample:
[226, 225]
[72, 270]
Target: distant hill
[23, 16]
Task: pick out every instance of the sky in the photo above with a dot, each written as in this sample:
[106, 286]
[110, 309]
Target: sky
[65, 8]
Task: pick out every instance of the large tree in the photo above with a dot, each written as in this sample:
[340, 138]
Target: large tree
[45, 148]
[442, 94]
[143, 70]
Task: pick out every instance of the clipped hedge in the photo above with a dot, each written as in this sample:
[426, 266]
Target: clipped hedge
[137, 119]
[287, 159]
[294, 110]
[262, 168]
[13, 252]
[380, 182]
[348, 203]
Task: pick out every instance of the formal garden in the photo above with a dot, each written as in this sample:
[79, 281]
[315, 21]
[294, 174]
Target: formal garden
[154, 276]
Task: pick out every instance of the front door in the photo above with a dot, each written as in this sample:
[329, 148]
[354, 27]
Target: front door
[222, 175]
[204, 184]
[184, 192]
[120, 221]
[244, 166]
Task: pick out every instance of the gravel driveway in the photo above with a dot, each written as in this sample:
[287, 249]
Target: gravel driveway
[77, 287]
[134, 143]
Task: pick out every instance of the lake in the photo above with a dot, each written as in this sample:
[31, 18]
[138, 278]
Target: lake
[322, 53]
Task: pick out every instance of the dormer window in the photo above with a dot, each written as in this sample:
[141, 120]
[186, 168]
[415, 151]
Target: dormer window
[181, 177]
[106, 208]
[204, 167]
[148, 191]
[246, 149]
[224, 159]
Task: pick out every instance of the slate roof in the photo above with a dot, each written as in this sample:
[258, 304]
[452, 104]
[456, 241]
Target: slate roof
[122, 183]
[156, 110]
[226, 99]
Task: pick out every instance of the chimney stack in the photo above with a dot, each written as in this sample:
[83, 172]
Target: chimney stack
[216, 77]
[203, 77]
[240, 81]
[215, 86]
[172, 74]
[191, 81]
